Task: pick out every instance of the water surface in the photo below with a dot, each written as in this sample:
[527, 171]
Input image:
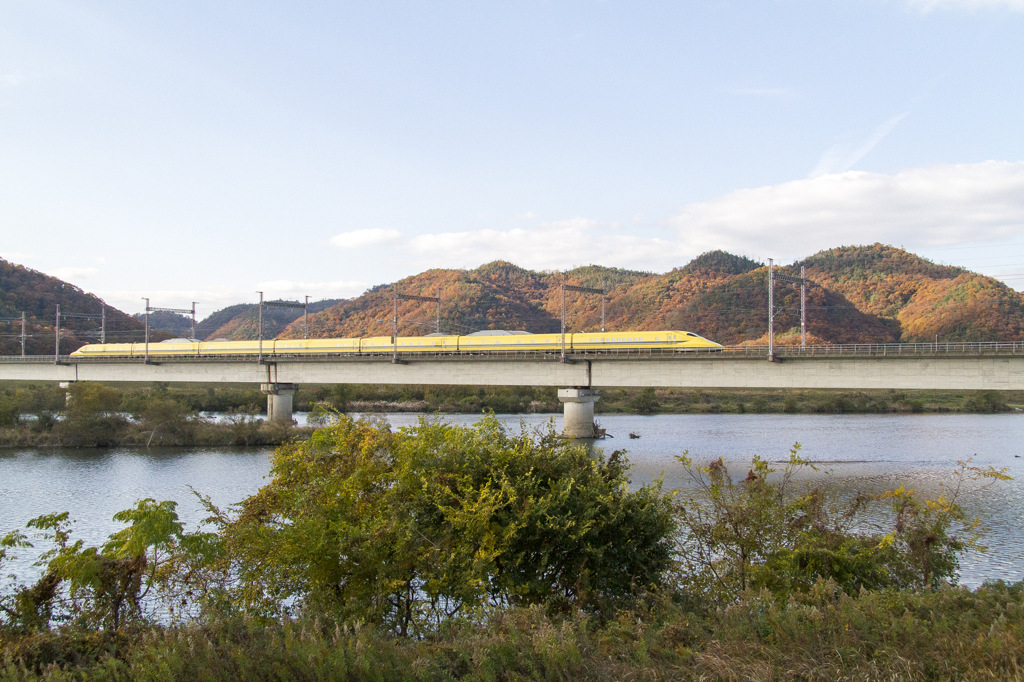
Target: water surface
[867, 452]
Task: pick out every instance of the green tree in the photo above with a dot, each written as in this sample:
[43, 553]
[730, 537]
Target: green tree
[645, 402]
[91, 417]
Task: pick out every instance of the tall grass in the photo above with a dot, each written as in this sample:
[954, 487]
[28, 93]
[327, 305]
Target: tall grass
[825, 634]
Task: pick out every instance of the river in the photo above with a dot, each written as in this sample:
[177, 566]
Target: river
[867, 452]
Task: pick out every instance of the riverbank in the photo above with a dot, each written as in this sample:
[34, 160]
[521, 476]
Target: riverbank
[34, 404]
[88, 414]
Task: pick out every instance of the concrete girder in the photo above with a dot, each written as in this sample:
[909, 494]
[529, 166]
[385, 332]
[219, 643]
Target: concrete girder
[1001, 373]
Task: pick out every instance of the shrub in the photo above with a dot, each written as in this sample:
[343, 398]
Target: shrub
[408, 529]
[645, 403]
[761, 532]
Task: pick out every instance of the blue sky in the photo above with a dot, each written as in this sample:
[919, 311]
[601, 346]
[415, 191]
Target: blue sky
[202, 151]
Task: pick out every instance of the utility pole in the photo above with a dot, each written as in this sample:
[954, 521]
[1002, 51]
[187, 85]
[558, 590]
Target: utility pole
[194, 320]
[426, 299]
[261, 326]
[285, 304]
[103, 323]
[583, 290]
[394, 320]
[771, 311]
[563, 321]
[802, 281]
[56, 335]
[803, 308]
[147, 329]
[604, 295]
[22, 333]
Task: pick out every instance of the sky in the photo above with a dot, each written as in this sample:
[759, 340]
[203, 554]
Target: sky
[204, 151]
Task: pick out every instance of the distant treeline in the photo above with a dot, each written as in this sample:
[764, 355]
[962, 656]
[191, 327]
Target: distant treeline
[168, 414]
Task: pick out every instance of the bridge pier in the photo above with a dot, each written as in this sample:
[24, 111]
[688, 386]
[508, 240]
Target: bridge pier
[66, 385]
[279, 402]
[578, 418]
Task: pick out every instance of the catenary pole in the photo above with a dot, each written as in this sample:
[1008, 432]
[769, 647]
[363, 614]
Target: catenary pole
[261, 327]
[563, 322]
[604, 295]
[771, 309]
[103, 324]
[22, 333]
[56, 336]
[305, 319]
[803, 307]
[147, 330]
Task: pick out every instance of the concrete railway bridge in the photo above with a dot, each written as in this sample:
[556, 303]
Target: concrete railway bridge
[580, 377]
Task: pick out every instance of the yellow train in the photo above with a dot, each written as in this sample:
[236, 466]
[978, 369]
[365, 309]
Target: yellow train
[481, 342]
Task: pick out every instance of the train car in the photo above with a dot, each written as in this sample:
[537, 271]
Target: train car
[104, 350]
[409, 344]
[176, 347]
[315, 346]
[497, 339]
[226, 347]
[627, 340]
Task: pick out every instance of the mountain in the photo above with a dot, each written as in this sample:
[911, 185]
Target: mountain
[37, 294]
[861, 294]
[176, 324]
[917, 298]
[241, 321]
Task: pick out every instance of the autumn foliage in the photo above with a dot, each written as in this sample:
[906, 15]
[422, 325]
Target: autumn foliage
[861, 294]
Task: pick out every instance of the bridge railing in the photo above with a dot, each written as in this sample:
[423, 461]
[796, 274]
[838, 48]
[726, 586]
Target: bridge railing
[890, 350]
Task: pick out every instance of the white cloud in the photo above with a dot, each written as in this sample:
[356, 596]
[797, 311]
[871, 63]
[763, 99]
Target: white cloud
[72, 275]
[927, 206]
[918, 207]
[969, 5]
[552, 245]
[11, 80]
[18, 257]
[357, 239]
[841, 157]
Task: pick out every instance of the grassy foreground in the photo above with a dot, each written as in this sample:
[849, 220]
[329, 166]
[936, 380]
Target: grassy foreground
[951, 634]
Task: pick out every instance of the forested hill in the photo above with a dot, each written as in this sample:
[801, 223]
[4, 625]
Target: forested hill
[873, 293]
[863, 294]
[24, 289]
[242, 321]
[921, 298]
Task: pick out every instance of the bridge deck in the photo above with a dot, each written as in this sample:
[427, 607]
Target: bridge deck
[963, 366]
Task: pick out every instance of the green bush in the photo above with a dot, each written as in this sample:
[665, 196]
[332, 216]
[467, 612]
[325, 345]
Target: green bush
[645, 403]
[408, 529]
[9, 411]
[763, 532]
[91, 417]
[989, 402]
